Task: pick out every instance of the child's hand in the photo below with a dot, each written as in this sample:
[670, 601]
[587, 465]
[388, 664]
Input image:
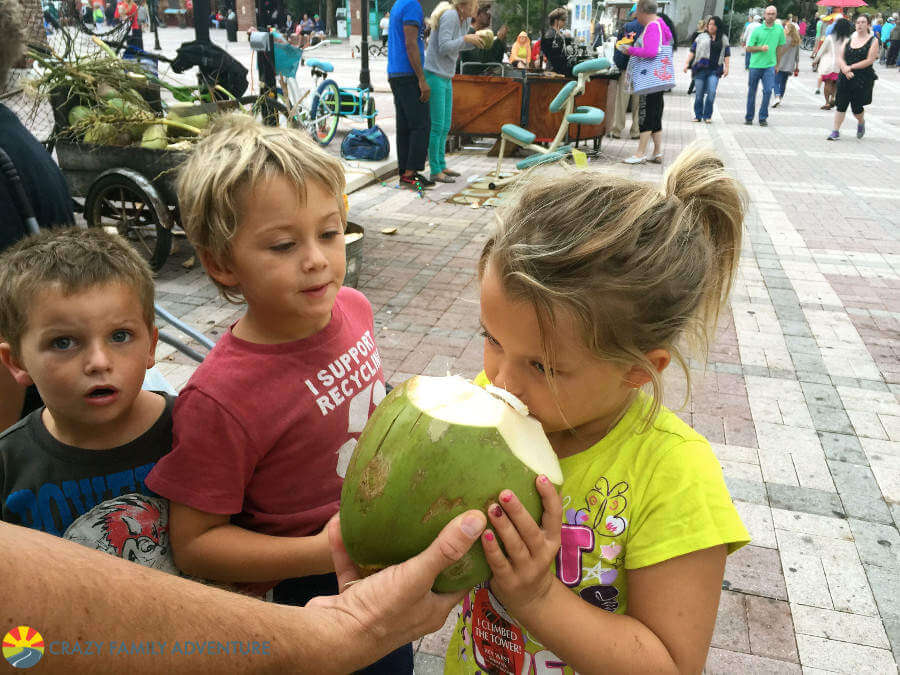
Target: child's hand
[523, 576]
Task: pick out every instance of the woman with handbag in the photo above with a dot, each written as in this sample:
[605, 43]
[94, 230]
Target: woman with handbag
[650, 72]
[857, 77]
[709, 57]
[788, 61]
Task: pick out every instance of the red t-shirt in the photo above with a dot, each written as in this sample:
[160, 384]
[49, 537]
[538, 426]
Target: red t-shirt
[265, 432]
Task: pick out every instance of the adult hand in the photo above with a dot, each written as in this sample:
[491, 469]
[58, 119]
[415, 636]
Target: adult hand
[523, 576]
[686, 68]
[396, 605]
[764, 48]
[501, 34]
[424, 91]
[725, 72]
[622, 48]
[474, 39]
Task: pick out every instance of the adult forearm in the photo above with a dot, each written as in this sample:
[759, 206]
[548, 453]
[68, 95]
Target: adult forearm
[71, 593]
[412, 53]
[560, 622]
[233, 554]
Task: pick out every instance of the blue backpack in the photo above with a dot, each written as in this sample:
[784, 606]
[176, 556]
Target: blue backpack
[368, 144]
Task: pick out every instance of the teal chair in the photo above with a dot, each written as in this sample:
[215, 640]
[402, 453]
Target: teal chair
[563, 102]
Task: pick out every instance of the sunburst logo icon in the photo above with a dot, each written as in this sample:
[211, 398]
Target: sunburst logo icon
[23, 647]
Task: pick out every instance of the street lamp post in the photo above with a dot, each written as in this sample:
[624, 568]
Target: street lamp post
[154, 23]
[364, 80]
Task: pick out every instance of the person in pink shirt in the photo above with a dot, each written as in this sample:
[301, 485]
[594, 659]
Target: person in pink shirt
[656, 33]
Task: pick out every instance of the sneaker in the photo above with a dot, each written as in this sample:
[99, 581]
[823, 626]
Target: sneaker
[860, 130]
[776, 101]
[424, 182]
[833, 136]
[416, 182]
[748, 122]
[763, 123]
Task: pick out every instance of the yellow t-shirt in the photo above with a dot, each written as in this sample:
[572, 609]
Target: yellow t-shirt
[631, 500]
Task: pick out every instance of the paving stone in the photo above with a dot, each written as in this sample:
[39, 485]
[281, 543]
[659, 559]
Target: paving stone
[892, 628]
[757, 519]
[725, 662]
[746, 491]
[809, 523]
[884, 458]
[771, 629]
[843, 657]
[859, 492]
[731, 630]
[805, 579]
[834, 420]
[877, 544]
[843, 447]
[821, 394]
[843, 626]
[428, 664]
[757, 571]
[793, 498]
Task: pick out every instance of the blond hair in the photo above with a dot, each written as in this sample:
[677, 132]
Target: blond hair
[13, 31]
[72, 259]
[793, 35]
[443, 6]
[235, 156]
[638, 266]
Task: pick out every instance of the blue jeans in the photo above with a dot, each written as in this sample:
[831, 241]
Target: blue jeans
[767, 75]
[705, 83]
[781, 80]
[746, 60]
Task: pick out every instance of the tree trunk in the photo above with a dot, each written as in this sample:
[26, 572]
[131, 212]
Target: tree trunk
[330, 21]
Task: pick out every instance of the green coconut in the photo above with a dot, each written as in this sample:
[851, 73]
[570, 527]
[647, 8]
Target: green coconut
[154, 137]
[78, 113]
[487, 37]
[101, 134]
[434, 448]
[107, 92]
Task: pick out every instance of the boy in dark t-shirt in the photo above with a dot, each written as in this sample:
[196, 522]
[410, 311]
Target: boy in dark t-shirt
[76, 316]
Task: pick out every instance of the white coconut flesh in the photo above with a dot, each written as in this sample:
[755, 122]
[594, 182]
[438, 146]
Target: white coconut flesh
[456, 401]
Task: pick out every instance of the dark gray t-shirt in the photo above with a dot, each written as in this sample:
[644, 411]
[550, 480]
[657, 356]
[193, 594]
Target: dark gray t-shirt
[94, 497]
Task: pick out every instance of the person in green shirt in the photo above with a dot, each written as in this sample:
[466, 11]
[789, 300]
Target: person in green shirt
[763, 47]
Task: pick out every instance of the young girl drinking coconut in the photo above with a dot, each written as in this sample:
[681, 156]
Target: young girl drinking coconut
[590, 286]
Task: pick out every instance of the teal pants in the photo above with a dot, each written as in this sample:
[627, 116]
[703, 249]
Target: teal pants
[441, 104]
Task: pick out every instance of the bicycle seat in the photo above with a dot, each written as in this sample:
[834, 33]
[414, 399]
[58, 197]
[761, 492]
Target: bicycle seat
[324, 66]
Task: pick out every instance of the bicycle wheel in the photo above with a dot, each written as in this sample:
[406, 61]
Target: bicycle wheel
[370, 111]
[326, 111]
[374, 50]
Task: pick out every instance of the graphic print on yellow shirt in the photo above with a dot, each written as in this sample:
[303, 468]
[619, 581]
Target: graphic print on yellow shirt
[631, 500]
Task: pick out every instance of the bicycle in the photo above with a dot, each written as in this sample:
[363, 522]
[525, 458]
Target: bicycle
[328, 104]
[808, 43]
[378, 49]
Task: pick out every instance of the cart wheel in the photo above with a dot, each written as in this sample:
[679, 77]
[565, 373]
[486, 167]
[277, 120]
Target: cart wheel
[370, 111]
[117, 204]
[326, 110]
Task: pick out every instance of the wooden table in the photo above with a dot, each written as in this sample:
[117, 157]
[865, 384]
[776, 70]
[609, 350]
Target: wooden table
[484, 103]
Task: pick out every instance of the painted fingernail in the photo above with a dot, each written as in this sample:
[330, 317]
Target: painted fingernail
[543, 479]
[506, 497]
[489, 536]
[496, 511]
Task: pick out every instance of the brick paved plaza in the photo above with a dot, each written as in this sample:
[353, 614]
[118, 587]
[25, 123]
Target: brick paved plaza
[799, 397]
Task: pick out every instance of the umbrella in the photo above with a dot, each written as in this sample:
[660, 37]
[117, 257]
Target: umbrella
[842, 3]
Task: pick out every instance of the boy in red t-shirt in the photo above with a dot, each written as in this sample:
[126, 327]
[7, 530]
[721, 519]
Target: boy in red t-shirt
[264, 429]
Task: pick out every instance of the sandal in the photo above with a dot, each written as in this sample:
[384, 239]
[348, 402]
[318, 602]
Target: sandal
[657, 159]
[441, 178]
[634, 159]
[451, 172]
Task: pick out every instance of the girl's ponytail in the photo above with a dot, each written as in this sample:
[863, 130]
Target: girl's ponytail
[712, 205]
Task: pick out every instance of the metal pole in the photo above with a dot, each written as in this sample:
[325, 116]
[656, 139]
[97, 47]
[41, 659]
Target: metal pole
[201, 20]
[154, 23]
[364, 81]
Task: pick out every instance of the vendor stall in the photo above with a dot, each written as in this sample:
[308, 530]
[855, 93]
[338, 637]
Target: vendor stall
[484, 103]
